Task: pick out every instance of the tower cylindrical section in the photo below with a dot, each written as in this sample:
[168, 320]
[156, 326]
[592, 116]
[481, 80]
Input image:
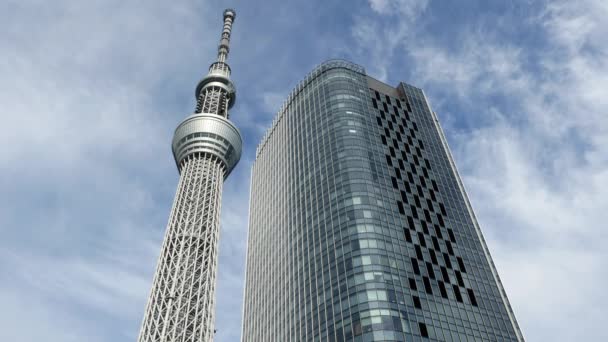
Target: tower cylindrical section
[210, 135]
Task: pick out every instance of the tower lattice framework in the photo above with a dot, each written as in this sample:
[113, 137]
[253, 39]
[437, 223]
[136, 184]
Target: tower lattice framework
[206, 147]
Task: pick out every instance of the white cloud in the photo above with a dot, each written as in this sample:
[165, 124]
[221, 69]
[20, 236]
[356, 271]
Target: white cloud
[273, 101]
[377, 40]
[405, 8]
[84, 200]
[87, 95]
[36, 321]
[533, 154]
[537, 170]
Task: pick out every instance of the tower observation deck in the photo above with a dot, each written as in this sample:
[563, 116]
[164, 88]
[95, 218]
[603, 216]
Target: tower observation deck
[206, 147]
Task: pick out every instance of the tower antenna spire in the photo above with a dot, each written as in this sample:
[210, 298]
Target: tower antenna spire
[206, 147]
[215, 93]
[224, 48]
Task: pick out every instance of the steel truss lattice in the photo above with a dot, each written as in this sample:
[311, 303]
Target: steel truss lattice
[180, 308]
[206, 147]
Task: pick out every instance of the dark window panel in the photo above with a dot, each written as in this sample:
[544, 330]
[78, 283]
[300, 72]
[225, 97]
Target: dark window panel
[442, 208]
[425, 228]
[427, 164]
[403, 196]
[457, 293]
[433, 257]
[436, 244]
[408, 236]
[413, 284]
[414, 211]
[416, 301]
[410, 222]
[438, 231]
[440, 219]
[429, 269]
[452, 236]
[448, 245]
[415, 266]
[435, 186]
[427, 215]
[423, 331]
[445, 275]
[459, 278]
[419, 252]
[389, 161]
[421, 239]
[461, 265]
[427, 285]
[401, 209]
[472, 298]
[442, 289]
[419, 189]
[446, 258]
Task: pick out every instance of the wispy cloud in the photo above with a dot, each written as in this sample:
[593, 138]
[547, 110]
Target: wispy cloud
[378, 39]
[84, 117]
[93, 90]
[532, 151]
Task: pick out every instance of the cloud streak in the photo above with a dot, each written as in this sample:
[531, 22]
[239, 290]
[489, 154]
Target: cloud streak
[93, 90]
[532, 148]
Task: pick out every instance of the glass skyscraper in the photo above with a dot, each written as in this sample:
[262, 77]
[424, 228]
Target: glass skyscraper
[360, 228]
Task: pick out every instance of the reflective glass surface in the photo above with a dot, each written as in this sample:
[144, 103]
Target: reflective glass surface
[359, 228]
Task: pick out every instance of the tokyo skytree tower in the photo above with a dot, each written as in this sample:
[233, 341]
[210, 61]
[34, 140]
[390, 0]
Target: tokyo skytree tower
[206, 147]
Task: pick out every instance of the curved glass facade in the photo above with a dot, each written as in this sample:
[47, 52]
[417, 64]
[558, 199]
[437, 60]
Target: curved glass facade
[359, 228]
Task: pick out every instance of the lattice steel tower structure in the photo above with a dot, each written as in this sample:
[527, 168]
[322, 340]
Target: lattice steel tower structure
[206, 147]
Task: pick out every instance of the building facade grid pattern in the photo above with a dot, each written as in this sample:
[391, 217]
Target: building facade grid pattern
[359, 230]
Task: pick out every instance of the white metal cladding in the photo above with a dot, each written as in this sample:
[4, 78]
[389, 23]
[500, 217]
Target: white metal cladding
[219, 78]
[208, 133]
[181, 305]
[206, 147]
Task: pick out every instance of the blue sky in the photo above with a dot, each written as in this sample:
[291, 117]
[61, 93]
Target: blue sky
[91, 92]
